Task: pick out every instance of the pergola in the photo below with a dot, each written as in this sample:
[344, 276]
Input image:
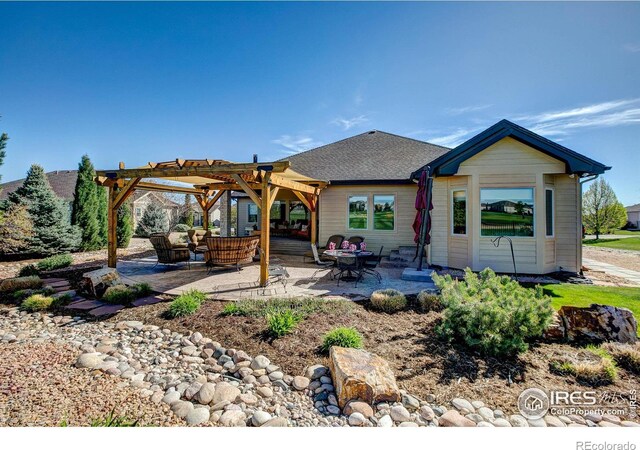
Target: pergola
[209, 179]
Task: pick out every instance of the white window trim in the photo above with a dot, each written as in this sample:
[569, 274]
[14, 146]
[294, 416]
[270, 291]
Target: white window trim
[373, 206]
[553, 212]
[466, 212]
[535, 208]
[368, 197]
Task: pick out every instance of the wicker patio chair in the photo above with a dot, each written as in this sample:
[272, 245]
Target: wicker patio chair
[230, 251]
[169, 253]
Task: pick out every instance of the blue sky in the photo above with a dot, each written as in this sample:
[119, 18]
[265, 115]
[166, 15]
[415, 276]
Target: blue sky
[143, 82]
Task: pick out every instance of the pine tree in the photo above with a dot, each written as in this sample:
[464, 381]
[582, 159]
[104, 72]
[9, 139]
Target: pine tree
[103, 220]
[124, 227]
[15, 230]
[85, 206]
[3, 143]
[154, 220]
[53, 232]
[187, 215]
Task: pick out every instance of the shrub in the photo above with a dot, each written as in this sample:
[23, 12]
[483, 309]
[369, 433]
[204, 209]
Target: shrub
[28, 270]
[304, 306]
[342, 337]
[230, 309]
[186, 304]
[36, 302]
[141, 290]
[429, 301]
[20, 295]
[55, 262]
[625, 355]
[181, 228]
[281, 323]
[119, 294]
[388, 300]
[15, 284]
[491, 313]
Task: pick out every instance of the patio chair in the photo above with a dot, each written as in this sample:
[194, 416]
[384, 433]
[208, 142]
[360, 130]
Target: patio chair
[323, 265]
[356, 240]
[277, 272]
[369, 265]
[169, 253]
[348, 264]
[336, 239]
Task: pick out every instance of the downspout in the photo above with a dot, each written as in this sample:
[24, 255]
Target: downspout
[579, 246]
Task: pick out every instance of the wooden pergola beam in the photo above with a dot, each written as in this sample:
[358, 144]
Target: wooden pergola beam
[146, 186]
[213, 200]
[292, 185]
[160, 172]
[272, 195]
[246, 188]
[125, 192]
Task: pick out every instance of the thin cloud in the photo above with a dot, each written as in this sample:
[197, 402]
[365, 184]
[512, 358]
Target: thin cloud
[452, 139]
[598, 115]
[296, 144]
[347, 124]
[466, 109]
[632, 47]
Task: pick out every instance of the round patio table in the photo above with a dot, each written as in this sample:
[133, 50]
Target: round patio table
[358, 254]
[201, 249]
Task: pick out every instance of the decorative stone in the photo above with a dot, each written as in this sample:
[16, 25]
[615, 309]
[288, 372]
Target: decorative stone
[453, 418]
[360, 375]
[427, 413]
[265, 391]
[259, 418]
[400, 414]
[260, 362]
[360, 407]
[500, 422]
[461, 404]
[385, 421]
[181, 408]
[205, 394]
[556, 331]
[316, 371]
[225, 391]
[197, 416]
[357, 420]
[171, 397]
[96, 282]
[518, 421]
[233, 418]
[300, 383]
[599, 323]
[410, 402]
[89, 361]
[553, 421]
[276, 422]
[408, 425]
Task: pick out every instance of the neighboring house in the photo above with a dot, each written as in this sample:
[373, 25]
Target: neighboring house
[506, 181]
[63, 183]
[214, 215]
[633, 215]
[142, 199]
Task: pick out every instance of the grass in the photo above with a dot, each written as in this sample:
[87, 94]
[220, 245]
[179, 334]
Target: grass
[501, 217]
[342, 337]
[186, 304]
[585, 295]
[632, 243]
[358, 220]
[383, 220]
[303, 306]
[627, 232]
[283, 322]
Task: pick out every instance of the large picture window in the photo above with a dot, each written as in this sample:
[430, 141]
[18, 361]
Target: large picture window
[459, 207]
[252, 213]
[506, 212]
[384, 212]
[358, 212]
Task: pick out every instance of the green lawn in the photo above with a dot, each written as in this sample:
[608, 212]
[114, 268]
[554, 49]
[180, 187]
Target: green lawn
[584, 295]
[502, 217]
[632, 243]
[383, 220]
[627, 232]
[358, 220]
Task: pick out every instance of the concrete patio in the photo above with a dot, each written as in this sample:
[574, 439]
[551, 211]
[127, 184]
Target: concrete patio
[229, 284]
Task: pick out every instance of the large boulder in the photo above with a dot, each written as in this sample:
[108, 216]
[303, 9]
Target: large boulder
[556, 331]
[360, 375]
[599, 323]
[98, 281]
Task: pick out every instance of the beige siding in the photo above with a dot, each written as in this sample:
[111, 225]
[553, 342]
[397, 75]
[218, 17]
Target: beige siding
[568, 225]
[333, 215]
[509, 163]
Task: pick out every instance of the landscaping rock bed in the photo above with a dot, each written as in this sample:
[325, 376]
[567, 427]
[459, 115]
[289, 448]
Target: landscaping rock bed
[205, 383]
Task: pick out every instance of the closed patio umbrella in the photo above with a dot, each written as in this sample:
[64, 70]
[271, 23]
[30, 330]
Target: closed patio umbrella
[422, 222]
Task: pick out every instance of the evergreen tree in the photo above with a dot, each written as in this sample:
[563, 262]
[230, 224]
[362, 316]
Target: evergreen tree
[53, 232]
[102, 194]
[3, 143]
[187, 214]
[85, 206]
[15, 230]
[154, 220]
[124, 228]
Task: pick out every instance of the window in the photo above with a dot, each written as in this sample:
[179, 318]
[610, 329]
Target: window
[358, 212]
[506, 212]
[548, 209]
[138, 212]
[253, 212]
[276, 210]
[297, 211]
[384, 212]
[459, 211]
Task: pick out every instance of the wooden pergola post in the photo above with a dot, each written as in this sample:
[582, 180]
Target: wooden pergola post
[265, 206]
[112, 221]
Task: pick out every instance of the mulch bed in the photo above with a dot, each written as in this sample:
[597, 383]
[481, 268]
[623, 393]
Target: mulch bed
[422, 363]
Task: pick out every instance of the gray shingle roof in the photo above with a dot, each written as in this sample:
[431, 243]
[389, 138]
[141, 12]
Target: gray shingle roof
[63, 183]
[371, 156]
[633, 208]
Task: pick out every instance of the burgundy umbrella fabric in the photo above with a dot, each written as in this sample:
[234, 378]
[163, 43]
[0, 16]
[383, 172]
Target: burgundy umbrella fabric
[421, 206]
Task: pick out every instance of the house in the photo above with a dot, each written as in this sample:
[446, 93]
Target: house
[505, 181]
[633, 216]
[63, 184]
